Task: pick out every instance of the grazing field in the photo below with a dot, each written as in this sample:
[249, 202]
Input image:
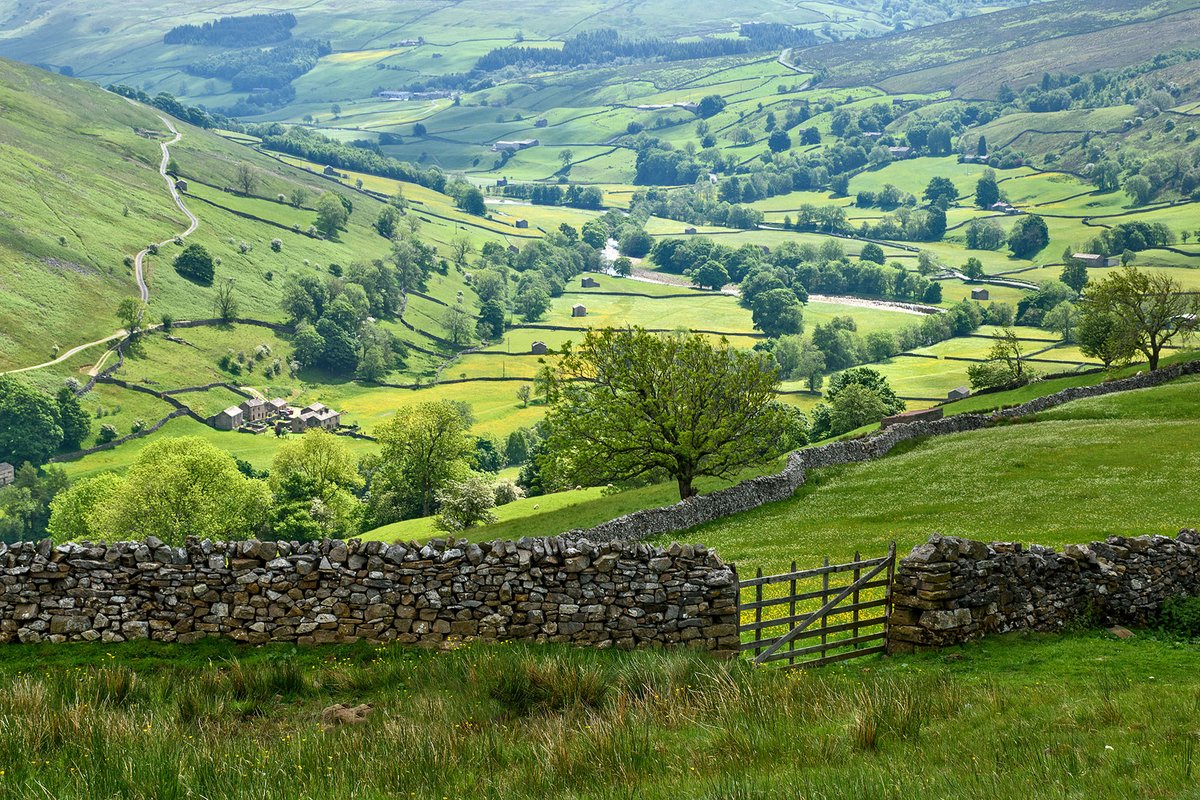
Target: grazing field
[1078, 473]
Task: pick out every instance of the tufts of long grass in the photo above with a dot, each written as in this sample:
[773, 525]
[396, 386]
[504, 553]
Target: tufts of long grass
[510, 721]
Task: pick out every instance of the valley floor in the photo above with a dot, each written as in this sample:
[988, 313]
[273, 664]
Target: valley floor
[1080, 715]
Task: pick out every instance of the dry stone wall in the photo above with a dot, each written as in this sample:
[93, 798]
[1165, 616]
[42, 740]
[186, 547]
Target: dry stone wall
[539, 590]
[753, 493]
[950, 590]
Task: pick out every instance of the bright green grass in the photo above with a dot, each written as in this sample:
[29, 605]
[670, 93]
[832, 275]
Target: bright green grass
[1070, 478]
[215, 719]
[550, 515]
[258, 450]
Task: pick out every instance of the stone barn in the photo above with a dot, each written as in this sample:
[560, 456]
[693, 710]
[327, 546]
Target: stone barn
[230, 419]
[980, 294]
[961, 393]
[181, 185]
[539, 349]
[590, 283]
[522, 223]
[578, 310]
[7, 473]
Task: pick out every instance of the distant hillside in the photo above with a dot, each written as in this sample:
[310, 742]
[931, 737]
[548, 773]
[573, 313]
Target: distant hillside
[80, 194]
[975, 56]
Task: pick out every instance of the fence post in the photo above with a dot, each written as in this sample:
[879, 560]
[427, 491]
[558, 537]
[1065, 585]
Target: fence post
[854, 600]
[887, 597]
[758, 596]
[825, 617]
[791, 615]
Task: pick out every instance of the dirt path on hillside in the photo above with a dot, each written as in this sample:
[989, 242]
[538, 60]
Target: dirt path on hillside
[194, 223]
[138, 271]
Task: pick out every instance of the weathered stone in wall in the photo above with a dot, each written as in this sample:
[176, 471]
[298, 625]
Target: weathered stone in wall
[950, 590]
[562, 590]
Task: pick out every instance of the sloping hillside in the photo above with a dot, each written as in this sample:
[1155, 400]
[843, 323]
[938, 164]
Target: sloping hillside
[80, 194]
[975, 56]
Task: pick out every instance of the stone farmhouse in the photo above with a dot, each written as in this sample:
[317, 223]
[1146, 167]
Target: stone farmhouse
[313, 416]
[254, 410]
[7, 473]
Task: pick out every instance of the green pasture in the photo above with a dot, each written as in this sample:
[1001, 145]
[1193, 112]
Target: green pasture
[259, 449]
[993, 485]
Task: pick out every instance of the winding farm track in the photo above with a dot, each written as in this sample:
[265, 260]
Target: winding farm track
[194, 223]
[143, 289]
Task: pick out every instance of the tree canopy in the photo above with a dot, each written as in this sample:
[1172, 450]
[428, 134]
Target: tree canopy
[631, 405]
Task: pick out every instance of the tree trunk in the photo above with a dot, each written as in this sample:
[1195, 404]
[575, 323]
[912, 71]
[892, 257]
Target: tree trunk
[686, 490]
[1153, 359]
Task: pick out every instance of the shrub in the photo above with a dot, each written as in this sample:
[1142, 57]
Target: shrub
[507, 492]
[139, 425]
[1181, 616]
[465, 503]
[276, 245]
[108, 433]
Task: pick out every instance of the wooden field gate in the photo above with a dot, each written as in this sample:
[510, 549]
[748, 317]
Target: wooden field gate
[817, 616]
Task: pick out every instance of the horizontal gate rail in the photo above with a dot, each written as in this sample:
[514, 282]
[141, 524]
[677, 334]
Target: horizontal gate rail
[814, 572]
[778, 601]
[836, 630]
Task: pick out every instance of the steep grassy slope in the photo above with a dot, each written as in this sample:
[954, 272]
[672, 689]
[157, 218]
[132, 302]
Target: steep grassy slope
[977, 55]
[80, 193]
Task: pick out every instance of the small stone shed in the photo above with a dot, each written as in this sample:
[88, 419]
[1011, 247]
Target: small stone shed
[230, 419]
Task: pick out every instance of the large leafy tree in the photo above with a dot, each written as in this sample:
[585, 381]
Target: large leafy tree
[332, 215]
[196, 264]
[870, 379]
[422, 449]
[75, 422]
[987, 191]
[316, 473]
[30, 429]
[1151, 308]
[629, 404]
[940, 192]
[183, 487]
[777, 312]
[1029, 236]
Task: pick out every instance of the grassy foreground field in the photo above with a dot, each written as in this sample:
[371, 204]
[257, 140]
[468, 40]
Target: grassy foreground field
[1113, 719]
